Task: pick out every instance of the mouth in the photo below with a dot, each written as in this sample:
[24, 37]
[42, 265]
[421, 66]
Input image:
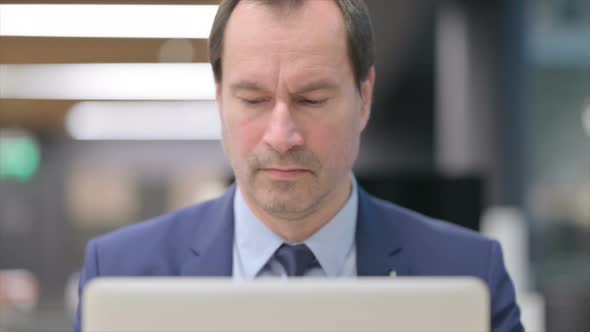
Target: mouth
[280, 173]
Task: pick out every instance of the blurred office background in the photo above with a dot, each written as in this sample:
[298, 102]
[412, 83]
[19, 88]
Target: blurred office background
[481, 117]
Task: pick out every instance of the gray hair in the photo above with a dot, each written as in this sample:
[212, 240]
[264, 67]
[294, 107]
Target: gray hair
[361, 45]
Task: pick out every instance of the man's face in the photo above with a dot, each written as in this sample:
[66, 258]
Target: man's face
[291, 112]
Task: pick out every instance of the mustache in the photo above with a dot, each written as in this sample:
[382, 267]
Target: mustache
[300, 158]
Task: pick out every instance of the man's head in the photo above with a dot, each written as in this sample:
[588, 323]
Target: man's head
[294, 83]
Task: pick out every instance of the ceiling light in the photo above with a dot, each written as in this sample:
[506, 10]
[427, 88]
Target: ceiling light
[126, 21]
[161, 81]
[158, 120]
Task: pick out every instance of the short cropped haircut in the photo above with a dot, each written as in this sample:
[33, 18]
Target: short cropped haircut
[361, 45]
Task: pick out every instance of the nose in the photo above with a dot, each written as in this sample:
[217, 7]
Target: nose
[282, 133]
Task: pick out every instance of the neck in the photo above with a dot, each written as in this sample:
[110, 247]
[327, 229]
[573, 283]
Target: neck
[300, 229]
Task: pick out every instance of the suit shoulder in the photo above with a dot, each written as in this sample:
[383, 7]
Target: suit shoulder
[175, 221]
[437, 247]
[426, 227]
[154, 246]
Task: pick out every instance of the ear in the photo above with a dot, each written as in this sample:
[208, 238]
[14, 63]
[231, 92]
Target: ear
[218, 93]
[367, 97]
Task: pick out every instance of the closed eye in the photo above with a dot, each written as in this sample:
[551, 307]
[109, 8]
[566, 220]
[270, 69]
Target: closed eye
[254, 101]
[312, 102]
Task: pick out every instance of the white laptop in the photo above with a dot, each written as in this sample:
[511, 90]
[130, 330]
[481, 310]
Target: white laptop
[297, 305]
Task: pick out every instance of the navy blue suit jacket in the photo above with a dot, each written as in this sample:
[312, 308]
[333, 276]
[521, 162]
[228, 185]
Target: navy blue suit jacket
[198, 241]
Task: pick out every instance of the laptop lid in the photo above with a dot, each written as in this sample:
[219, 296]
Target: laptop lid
[298, 305]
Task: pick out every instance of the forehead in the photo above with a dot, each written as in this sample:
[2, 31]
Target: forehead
[267, 42]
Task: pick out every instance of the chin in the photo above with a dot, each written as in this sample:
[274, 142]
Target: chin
[285, 204]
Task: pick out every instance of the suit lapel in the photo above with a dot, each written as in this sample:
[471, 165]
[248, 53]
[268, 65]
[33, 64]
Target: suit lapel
[211, 251]
[379, 239]
[379, 243]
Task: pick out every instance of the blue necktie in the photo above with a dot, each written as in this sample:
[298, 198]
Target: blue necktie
[295, 259]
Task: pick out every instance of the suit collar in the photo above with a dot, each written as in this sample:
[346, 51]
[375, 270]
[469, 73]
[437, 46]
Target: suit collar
[211, 251]
[379, 243]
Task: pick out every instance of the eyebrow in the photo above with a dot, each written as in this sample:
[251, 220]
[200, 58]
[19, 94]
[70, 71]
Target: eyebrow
[317, 85]
[246, 85]
[312, 86]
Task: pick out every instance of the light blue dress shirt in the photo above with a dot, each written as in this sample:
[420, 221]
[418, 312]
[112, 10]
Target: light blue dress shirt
[333, 245]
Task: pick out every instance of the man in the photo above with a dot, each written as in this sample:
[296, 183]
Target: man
[294, 85]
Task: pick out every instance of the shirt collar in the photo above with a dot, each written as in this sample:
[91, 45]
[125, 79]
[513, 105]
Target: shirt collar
[255, 242]
[331, 245]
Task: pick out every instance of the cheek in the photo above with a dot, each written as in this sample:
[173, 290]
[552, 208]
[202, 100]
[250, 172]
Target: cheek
[243, 135]
[323, 140]
[335, 142]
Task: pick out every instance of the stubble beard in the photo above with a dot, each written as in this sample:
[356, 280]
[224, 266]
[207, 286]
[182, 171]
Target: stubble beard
[289, 200]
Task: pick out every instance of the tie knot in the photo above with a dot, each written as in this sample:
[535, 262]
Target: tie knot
[295, 259]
